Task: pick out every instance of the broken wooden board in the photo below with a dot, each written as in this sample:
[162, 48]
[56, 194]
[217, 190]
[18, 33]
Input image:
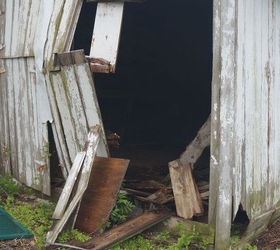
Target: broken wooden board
[91, 147]
[127, 230]
[160, 197]
[106, 32]
[65, 195]
[101, 194]
[186, 194]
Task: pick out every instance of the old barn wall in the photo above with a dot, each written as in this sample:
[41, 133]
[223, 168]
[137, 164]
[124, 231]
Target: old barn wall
[245, 153]
[31, 32]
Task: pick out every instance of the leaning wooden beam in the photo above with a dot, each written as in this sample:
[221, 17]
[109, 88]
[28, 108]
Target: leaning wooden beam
[127, 230]
[64, 197]
[196, 147]
[186, 194]
[91, 147]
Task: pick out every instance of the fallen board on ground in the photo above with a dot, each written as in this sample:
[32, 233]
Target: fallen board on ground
[101, 194]
[11, 229]
[127, 230]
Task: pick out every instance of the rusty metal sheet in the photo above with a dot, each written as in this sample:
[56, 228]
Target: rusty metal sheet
[100, 197]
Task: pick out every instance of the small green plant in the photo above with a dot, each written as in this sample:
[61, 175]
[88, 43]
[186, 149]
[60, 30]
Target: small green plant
[35, 217]
[136, 243]
[8, 186]
[65, 236]
[121, 210]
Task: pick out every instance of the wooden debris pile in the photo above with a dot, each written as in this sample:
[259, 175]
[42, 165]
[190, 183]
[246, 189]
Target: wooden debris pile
[89, 196]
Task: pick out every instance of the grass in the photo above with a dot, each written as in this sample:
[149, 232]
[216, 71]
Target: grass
[35, 216]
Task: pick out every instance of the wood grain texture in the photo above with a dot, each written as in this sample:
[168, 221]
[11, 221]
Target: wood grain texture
[101, 194]
[127, 230]
[186, 194]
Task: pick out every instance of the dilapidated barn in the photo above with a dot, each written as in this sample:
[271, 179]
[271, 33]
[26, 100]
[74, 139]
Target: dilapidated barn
[156, 83]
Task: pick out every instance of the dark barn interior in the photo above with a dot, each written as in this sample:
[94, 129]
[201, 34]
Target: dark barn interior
[160, 95]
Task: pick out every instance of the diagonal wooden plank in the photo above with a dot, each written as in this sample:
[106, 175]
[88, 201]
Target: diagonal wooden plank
[64, 197]
[91, 146]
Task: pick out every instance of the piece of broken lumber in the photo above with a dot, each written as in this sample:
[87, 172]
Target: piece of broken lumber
[91, 147]
[160, 197]
[186, 194]
[101, 194]
[196, 147]
[127, 230]
[64, 197]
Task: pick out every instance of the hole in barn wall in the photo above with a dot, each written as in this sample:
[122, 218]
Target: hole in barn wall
[240, 223]
[160, 95]
[55, 171]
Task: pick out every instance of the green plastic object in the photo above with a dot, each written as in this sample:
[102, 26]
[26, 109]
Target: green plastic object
[10, 228]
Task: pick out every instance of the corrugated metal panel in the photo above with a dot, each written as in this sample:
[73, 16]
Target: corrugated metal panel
[245, 142]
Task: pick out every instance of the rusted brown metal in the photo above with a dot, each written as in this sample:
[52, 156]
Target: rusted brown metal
[101, 194]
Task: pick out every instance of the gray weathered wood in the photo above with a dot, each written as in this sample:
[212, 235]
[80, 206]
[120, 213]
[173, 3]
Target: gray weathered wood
[64, 197]
[197, 146]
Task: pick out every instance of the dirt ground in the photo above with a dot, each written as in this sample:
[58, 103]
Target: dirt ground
[270, 240]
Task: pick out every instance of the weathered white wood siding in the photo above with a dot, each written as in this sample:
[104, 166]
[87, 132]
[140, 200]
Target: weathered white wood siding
[245, 142]
[30, 32]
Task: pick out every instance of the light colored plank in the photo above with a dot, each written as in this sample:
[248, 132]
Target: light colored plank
[186, 194]
[92, 143]
[106, 32]
[64, 197]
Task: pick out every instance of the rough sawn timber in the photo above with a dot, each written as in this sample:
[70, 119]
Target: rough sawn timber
[127, 230]
[186, 194]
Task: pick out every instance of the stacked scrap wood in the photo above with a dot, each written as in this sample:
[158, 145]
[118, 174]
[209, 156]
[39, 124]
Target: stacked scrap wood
[149, 191]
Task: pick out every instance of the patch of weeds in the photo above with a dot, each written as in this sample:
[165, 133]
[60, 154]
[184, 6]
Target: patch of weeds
[75, 234]
[8, 186]
[250, 247]
[35, 217]
[136, 243]
[121, 210]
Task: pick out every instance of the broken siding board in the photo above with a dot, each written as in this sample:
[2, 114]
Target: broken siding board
[90, 104]
[106, 32]
[65, 195]
[226, 117]
[91, 146]
[68, 22]
[65, 113]
[8, 27]
[60, 140]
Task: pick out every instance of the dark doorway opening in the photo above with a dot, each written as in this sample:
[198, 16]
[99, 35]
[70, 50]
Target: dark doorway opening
[160, 95]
